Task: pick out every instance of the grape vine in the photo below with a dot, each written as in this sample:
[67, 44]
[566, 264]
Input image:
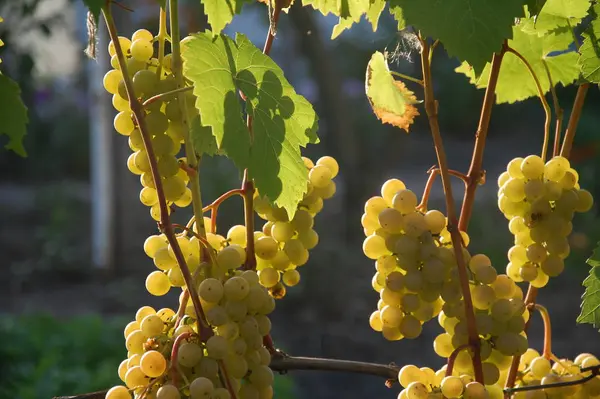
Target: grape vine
[221, 96]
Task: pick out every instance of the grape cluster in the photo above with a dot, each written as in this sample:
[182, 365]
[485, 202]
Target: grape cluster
[414, 265]
[236, 308]
[540, 201]
[283, 244]
[163, 119]
[535, 369]
[425, 383]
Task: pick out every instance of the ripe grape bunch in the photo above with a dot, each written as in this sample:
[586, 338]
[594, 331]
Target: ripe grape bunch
[415, 267]
[536, 369]
[283, 244]
[540, 201]
[151, 77]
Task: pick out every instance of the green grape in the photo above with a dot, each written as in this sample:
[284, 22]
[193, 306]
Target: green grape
[123, 123]
[297, 254]
[142, 34]
[185, 199]
[486, 275]
[121, 105]
[217, 316]
[517, 254]
[152, 325]
[153, 244]
[148, 196]
[131, 165]
[165, 314]
[217, 347]
[118, 392]
[266, 247]
[540, 367]
[158, 124]
[131, 326]
[436, 221]
[536, 253]
[375, 205]
[168, 166]
[534, 190]
[320, 176]
[141, 161]
[389, 190]
[125, 46]
[570, 179]
[168, 391]
[514, 168]
[585, 201]
[211, 290]
[229, 258]
[442, 345]
[153, 364]
[330, 163]
[282, 231]
[532, 167]
[410, 327]
[236, 289]
[555, 169]
[172, 110]
[173, 188]
[452, 387]
[391, 220]
[144, 82]
[141, 50]
[514, 189]
[475, 390]
[133, 67]
[176, 277]
[237, 235]
[478, 262]
[417, 390]
[375, 321]
[409, 374]
[201, 387]
[268, 277]
[302, 220]
[136, 141]
[483, 296]
[405, 201]
[114, 62]
[111, 81]
[503, 178]
[374, 247]
[502, 310]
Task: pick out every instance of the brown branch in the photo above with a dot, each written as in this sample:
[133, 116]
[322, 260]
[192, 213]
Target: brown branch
[574, 120]
[431, 107]
[174, 355]
[165, 221]
[248, 194]
[452, 358]
[284, 363]
[433, 173]
[475, 170]
[547, 352]
[166, 94]
[509, 391]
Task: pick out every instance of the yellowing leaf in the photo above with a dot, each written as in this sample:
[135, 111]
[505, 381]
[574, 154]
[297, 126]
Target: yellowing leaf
[391, 101]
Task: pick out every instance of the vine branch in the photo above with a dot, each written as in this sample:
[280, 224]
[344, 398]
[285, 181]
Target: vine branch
[557, 110]
[475, 171]
[431, 107]
[547, 351]
[574, 120]
[165, 221]
[542, 97]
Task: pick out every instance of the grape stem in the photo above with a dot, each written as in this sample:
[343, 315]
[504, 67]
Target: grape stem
[542, 97]
[475, 171]
[557, 110]
[161, 96]
[452, 358]
[431, 108]
[574, 120]
[407, 77]
[509, 391]
[162, 34]
[433, 172]
[547, 352]
[165, 222]
[174, 352]
[248, 194]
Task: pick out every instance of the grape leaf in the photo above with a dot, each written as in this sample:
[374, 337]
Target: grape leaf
[372, 9]
[514, 82]
[589, 60]
[221, 12]
[325, 6]
[390, 100]
[534, 6]
[95, 7]
[202, 138]
[556, 14]
[13, 115]
[283, 121]
[471, 30]
[590, 304]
